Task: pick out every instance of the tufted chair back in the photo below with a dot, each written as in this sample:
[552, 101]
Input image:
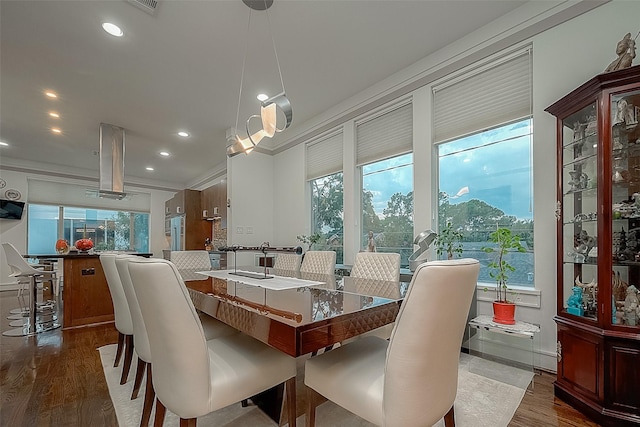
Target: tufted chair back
[191, 260]
[377, 265]
[321, 262]
[286, 261]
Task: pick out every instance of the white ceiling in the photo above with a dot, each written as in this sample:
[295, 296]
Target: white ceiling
[180, 69]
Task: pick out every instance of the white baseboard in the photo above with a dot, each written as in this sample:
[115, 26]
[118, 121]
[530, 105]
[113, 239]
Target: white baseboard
[8, 287]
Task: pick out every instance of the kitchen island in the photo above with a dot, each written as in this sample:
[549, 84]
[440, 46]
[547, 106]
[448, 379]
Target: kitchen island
[86, 297]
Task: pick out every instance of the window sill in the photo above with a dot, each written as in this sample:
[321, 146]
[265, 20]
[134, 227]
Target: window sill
[526, 297]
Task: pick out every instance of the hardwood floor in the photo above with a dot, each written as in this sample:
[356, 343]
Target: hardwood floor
[56, 379]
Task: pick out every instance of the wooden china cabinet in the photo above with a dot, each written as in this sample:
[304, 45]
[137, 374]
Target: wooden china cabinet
[598, 213]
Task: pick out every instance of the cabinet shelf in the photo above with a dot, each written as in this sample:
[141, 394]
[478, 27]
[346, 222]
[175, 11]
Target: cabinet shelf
[590, 137]
[582, 160]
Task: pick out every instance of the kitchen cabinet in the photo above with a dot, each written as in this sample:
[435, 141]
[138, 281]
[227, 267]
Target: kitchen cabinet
[598, 257]
[193, 230]
[214, 203]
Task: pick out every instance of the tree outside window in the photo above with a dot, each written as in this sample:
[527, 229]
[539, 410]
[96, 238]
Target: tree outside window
[387, 205]
[485, 182]
[327, 210]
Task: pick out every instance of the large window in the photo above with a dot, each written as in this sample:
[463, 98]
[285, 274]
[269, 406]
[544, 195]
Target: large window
[485, 182]
[387, 206]
[328, 214]
[109, 230]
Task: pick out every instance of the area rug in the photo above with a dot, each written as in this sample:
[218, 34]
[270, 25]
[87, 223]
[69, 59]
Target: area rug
[481, 401]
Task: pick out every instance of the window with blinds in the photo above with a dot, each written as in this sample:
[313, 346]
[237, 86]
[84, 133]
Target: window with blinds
[483, 130]
[486, 97]
[324, 156]
[385, 136]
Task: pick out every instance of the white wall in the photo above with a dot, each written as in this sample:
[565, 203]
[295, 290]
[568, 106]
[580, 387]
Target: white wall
[250, 188]
[16, 231]
[564, 57]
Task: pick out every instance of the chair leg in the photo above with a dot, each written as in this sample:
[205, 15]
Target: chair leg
[119, 349]
[449, 419]
[188, 422]
[149, 396]
[313, 399]
[128, 356]
[290, 387]
[139, 374]
[160, 411]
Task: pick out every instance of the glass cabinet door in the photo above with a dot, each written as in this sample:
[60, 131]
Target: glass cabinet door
[625, 196]
[579, 213]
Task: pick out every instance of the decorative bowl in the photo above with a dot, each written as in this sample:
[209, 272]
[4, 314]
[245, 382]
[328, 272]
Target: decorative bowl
[62, 247]
[84, 244]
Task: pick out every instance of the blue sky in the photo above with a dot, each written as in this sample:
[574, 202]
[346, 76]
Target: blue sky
[497, 173]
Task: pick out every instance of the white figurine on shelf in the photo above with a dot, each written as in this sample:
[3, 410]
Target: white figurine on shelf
[631, 306]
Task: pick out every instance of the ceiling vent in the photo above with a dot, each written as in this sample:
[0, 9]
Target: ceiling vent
[149, 6]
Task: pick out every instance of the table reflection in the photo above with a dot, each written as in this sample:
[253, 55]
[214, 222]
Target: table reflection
[298, 320]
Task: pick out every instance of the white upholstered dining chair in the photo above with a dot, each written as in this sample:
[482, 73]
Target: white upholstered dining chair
[378, 266]
[121, 312]
[319, 262]
[191, 260]
[410, 380]
[212, 329]
[192, 376]
[287, 261]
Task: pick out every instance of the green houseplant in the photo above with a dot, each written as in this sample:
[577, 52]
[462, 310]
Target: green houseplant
[309, 240]
[499, 269]
[449, 241]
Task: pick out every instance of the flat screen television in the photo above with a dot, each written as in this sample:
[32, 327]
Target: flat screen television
[10, 209]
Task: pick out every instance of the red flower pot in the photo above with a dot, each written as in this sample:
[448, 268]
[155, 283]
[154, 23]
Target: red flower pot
[504, 312]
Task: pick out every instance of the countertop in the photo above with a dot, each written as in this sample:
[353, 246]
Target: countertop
[82, 255]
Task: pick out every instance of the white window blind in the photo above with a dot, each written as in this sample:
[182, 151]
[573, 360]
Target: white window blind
[76, 195]
[497, 94]
[324, 157]
[385, 136]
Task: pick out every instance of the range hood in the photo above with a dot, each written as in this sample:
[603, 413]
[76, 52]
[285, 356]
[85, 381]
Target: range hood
[111, 162]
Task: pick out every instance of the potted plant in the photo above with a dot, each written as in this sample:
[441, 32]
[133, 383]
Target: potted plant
[499, 269]
[449, 241]
[309, 240]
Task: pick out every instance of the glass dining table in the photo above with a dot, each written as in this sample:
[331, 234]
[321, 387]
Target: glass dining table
[296, 313]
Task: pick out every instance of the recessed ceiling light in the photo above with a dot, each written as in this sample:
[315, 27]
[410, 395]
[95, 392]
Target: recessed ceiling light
[164, 153]
[262, 97]
[183, 134]
[54, 114]
[4, 144]
[56, 130]
[112, 29]
[149, 168]
[51, 94]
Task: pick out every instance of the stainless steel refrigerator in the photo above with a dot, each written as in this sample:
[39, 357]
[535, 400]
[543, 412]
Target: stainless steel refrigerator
[177, 233]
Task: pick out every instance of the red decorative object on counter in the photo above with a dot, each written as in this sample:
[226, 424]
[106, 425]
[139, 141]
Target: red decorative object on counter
[84, 244]
[62, 247]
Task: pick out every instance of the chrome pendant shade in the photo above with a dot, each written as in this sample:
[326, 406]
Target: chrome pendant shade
[269, 108]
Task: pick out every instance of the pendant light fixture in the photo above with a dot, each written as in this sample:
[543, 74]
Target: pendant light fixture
[269, 107]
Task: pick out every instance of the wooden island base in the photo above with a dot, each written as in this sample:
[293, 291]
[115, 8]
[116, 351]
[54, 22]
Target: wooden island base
[87, 300]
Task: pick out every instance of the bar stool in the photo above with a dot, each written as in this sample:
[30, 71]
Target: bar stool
[21, 269]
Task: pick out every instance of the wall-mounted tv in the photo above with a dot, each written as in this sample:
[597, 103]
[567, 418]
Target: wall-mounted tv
[10, 209]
